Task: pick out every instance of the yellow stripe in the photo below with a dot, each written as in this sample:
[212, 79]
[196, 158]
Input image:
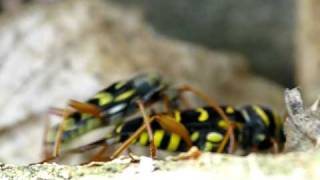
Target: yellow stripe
[278, 122]
[262, 114]
[143, 140]
[125, 95]
[177, 116]
[174, 142]
[203, 114]
[104, 98]
[230, 110]
[214, 137]
[158, 136]
[119, 128]
[223, 124]
[209, 146]
[195, 136]
[120, 85]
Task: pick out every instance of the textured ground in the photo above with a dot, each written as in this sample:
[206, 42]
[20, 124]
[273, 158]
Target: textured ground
[208, 166]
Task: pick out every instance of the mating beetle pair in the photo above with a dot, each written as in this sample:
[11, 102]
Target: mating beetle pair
[212, 128]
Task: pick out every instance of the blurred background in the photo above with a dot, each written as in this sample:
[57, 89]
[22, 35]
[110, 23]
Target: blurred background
[263, 31]
[237, 52]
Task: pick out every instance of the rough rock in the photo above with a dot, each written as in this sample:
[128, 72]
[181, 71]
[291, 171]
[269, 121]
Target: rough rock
[71, 49]
[208, 166]
[302, 127]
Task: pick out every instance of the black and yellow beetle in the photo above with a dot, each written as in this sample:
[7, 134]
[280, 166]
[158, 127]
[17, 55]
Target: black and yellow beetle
[109, 106]
[120, 100]
[257, 129]
[116, 103]
[204, 124]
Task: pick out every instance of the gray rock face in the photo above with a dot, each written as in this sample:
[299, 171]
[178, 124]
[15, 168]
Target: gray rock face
[262, 30]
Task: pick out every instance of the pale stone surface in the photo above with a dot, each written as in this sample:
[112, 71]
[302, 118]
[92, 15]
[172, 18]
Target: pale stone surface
[208, 166]
[49, 54]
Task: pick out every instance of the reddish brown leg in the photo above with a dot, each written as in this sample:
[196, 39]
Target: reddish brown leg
[100, 154]
[85, 108]
[184, 101]
[166, 121]
[57, 144]
[130, 154]
[169, 124]
[45, 151]
[275, 146]
[254, 149]
[214, 105]
[228, 135]
[47, 155]
[233, 145]
[59, 111]
[82, 107]
[207, 99]
[193, 153]
[153, 149]
[166, 104]
[135, 135]
[80, 149]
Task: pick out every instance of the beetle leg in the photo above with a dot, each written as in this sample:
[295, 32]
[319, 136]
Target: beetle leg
[229, 135]
[193, 153]
[85, 108]
[99, 156]
[167, 122]
[185, 101]
[59, 111]
[135, 135]
[207, 99]
[153, 149]
[58, 138]
[275, 146]
[170, 124]
[45, 151]
[166, 104]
